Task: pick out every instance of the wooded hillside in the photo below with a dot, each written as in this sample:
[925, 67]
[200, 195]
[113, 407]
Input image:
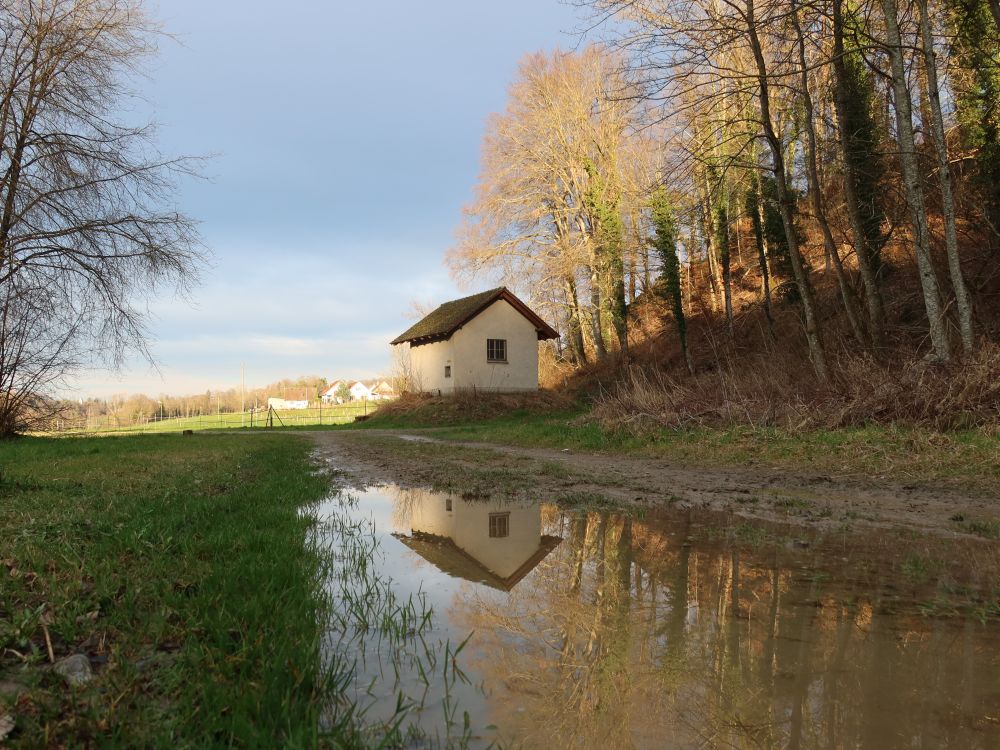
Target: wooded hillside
[762, 203]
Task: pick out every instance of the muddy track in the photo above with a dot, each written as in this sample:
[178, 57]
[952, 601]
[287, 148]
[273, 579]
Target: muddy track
[375, 456]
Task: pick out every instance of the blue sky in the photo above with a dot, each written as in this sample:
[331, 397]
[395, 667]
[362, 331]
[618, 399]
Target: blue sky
[346, 141]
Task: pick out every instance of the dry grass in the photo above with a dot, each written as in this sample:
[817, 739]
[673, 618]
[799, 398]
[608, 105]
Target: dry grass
[754, 377]
[466, 406]
[772, 392]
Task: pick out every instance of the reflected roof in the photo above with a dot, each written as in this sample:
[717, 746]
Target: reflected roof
[451, 559]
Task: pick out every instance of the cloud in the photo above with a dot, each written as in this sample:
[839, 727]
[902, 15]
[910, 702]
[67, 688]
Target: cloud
[337, 185]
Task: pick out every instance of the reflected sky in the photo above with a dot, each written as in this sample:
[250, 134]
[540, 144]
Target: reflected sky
[688, 629]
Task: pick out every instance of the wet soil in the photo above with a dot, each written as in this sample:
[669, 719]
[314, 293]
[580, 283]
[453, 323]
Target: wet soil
[476, 469]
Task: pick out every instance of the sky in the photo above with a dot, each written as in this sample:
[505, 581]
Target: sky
[344, 140]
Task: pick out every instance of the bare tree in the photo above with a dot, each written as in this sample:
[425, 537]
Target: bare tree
[86, 232]
[813, 178]
[711, 63]
[963, 302]
[785, 199]
[559, 176]
[912, 183]
[38, 348]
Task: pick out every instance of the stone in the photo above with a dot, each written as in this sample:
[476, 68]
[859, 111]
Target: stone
[6, 726]
[74, 669]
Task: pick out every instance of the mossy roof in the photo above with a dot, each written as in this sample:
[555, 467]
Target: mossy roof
[449, 317]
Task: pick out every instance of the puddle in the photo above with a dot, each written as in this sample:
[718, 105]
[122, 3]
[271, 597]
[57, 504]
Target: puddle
[666, 628]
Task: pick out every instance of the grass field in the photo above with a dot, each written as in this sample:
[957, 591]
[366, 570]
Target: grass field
[328, 415]
[179, 566]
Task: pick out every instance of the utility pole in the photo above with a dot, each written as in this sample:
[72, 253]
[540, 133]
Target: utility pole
[243, 406]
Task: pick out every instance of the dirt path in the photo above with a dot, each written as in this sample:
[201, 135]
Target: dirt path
[374, 456]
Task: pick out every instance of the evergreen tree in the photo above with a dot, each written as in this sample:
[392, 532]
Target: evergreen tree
[669, 287]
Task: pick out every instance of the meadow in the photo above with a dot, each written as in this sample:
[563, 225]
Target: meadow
[179, 566]
[333, 414]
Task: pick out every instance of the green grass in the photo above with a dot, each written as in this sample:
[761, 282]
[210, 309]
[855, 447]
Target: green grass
[969, 459]
[179, 565]
[920, 568]
[338, 414]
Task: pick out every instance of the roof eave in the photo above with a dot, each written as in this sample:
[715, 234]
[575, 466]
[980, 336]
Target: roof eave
[544, 330]
[420, 340]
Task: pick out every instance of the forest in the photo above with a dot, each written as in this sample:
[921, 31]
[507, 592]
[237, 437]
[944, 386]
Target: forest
[775, 212]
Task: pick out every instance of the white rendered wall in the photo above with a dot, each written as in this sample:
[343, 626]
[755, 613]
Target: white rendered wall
[427, 365]
[498, 321]
[429, 514]
[503, 555]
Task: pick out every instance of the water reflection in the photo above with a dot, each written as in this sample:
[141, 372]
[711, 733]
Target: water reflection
[644, 633]
[495, 543]
[689, 629]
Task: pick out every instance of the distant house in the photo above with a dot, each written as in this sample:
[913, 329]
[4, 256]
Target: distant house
[359, 390]
[383, 390]
[488, 341]
[280, 403]
[330, 394]
[493, 543]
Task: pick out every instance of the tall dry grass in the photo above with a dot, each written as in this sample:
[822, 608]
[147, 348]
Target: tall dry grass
[468, 405]
[773, 391]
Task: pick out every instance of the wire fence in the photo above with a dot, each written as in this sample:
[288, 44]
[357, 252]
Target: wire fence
[255, 418]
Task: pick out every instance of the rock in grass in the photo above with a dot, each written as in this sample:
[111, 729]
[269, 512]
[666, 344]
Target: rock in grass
[74, 669]
[6, 726]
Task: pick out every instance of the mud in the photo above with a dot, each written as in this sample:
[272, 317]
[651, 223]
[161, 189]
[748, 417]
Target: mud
[413, 460]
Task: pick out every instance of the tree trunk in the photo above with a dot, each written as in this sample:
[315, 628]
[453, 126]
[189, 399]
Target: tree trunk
[645, 269]
[812, 178]
[575, 332]
[725, 260]
[962, 299]
[862, 247]
[799, 271]
[711, 242]
[755, 208]
[761, 217]
[632, 272]
[665, 242]
[596, 322]
[914, 191]
[617, 306]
